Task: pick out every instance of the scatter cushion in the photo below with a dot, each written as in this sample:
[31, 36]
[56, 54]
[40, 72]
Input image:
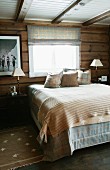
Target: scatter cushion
[69, 79]
[53, 80]
[84, 77]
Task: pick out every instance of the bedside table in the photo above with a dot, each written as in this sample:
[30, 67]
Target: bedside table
[104, 82]
[14, 110]
[101, 82]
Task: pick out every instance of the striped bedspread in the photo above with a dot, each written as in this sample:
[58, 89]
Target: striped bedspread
[63, 108]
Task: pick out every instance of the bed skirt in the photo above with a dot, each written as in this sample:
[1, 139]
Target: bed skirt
[72, 139]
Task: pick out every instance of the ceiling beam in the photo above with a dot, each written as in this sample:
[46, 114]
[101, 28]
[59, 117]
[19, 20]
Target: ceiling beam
[23, 8]
[20, 4]
[56, 20]
[97, 18]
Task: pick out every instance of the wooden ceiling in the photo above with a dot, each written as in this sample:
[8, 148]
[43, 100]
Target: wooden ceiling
[85, 12]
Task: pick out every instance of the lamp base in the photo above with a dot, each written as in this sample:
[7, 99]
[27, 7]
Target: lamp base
[14, 94]
[19, 94]
[18, 90]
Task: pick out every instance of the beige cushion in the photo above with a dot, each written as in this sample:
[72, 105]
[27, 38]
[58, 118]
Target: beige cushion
[53, 80]
[69, 79]
[84, 77]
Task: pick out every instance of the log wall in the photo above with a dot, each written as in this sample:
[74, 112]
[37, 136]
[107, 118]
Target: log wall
[94, 44]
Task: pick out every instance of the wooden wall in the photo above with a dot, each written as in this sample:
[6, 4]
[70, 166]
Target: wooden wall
[94, 44]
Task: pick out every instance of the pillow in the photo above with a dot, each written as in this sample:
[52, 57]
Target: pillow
[84, 77]
[68, 69]
[53, 80]
[69, 79]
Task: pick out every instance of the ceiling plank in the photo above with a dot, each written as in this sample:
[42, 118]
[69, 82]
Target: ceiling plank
[97, 18]
[23, 8]
[56, 20]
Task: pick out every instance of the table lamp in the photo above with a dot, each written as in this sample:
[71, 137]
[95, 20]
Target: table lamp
[18, 72]
[96, 63]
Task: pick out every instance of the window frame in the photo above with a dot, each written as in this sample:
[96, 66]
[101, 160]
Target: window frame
[32, 73]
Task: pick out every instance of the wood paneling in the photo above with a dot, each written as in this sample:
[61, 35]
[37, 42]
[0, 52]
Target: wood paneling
[94, 47]
[24, 46]
[25, 57]
[92, 29]
[88, 37]
[24, 35]
[94, 44]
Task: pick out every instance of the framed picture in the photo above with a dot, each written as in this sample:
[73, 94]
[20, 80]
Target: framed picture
[9, 54]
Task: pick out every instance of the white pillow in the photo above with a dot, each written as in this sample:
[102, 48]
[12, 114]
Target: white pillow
[84, 77]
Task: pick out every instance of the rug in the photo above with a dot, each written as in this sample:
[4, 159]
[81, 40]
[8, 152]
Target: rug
[19, 147]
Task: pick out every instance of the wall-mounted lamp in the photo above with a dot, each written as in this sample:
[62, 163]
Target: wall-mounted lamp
[18, 72]
[96, 63]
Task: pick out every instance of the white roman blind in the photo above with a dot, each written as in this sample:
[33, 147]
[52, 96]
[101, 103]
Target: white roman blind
[53, 35]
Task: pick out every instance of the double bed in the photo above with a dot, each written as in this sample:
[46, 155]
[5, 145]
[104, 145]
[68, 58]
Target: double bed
[70, 118]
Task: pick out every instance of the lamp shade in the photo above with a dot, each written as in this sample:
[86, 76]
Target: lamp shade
[96, 63]
[18, 72]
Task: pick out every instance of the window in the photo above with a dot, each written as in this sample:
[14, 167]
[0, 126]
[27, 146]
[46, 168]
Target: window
[52, 49]
[52, 58]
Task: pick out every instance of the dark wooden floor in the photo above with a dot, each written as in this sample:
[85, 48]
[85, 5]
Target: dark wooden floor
[92, 158]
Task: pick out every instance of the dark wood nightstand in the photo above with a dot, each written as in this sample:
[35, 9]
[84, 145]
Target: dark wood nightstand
[14, 110]
[105, 82]
[101, 82]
